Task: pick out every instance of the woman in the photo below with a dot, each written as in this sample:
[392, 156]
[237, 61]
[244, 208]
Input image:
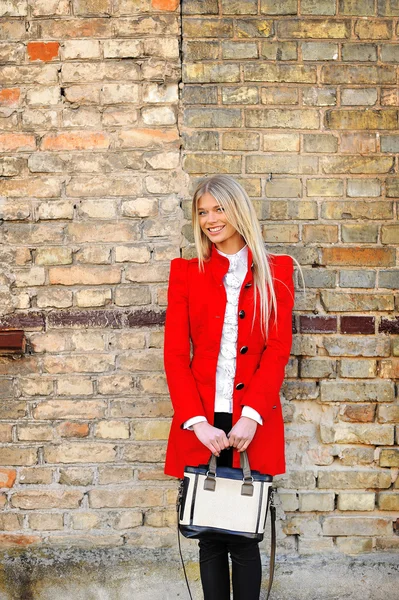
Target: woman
[234, 304]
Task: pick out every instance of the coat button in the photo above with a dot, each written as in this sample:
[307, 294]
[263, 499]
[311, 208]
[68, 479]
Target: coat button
[244, 349]
[241, 314]
[239, 386]
[248, 285]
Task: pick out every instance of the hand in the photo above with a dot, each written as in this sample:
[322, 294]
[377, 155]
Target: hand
[242, 433]
[213, 438]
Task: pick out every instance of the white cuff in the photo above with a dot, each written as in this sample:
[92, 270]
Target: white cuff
[251, 413]
[193, 421]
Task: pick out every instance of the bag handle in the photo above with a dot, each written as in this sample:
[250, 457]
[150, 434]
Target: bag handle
[247, 488]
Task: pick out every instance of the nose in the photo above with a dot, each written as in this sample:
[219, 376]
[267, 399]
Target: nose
[212, 217]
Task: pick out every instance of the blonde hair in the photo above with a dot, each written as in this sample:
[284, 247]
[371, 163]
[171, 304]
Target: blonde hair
[240, 212]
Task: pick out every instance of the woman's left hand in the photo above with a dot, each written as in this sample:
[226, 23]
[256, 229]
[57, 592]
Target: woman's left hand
[242, 433]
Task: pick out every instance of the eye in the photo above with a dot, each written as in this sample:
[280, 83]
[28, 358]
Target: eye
[201, 213]
[221, 209]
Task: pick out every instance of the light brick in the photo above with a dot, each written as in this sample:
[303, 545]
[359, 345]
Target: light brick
[362, 501]
[316, 501]
[79, 452]
[362, 526]
[125, 498]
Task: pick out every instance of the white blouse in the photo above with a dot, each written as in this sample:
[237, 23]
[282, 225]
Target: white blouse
[226, 365]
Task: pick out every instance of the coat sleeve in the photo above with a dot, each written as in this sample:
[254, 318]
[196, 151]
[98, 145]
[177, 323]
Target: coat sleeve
[268, 378]
[182, 387]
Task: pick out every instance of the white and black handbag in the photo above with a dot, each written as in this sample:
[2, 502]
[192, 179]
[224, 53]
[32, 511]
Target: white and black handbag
[226, 502]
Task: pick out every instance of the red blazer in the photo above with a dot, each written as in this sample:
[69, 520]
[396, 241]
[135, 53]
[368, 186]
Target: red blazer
[196, 307]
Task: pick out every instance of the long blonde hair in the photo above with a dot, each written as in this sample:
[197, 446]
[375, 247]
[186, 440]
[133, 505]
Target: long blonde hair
[241, 214]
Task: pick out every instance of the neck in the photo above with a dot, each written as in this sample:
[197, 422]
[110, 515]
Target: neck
[232, 245]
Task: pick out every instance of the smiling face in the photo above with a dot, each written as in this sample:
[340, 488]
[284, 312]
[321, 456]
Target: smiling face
[213, 222]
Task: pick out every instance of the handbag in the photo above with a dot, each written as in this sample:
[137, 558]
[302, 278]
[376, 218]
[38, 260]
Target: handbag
[226, 502]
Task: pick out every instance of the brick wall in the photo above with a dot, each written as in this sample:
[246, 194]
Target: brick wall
[91, 184]
[299, 101]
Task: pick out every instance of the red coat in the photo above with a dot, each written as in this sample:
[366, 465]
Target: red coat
[196, 307]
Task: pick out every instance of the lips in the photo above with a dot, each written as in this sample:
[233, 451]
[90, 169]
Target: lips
[215, 230]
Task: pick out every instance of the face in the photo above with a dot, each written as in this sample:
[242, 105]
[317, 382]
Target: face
[214, 223]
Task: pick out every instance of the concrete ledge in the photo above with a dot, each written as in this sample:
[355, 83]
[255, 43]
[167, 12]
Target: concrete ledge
[141, 574]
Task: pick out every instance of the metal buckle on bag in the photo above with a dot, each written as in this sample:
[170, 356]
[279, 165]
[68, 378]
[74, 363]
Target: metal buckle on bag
[247, 488]
[210, 481]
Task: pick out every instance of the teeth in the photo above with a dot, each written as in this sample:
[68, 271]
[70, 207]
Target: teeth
[213, 229]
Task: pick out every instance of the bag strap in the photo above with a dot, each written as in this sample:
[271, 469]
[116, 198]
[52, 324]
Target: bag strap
[272, 547]
[273, 543]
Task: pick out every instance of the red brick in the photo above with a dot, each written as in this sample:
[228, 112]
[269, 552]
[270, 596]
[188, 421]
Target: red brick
[8, 540]
[378, 257]
[7, 477]
[75, 140]
[353, 324]
[76, 430]
[16, 141]
[44, 51]
[388, 325]
[309, 324]
[169, 5]
[10, 96]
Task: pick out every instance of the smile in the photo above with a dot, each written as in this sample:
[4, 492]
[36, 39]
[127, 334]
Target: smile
[216, 229]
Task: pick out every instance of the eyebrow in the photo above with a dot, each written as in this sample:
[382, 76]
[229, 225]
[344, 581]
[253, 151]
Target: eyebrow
[216, 206]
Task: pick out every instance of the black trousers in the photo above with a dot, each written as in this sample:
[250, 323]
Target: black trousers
[213, 553]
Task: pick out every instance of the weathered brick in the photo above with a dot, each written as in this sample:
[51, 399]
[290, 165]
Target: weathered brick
[353, 433]
[358, 368]
[363, 526]
[77, 275]
[360, 119]
[70, 409]
[79, 452]
[360, 210]
[253, 28]
[318, 7]
[281, 142]
[206, 117]
[361, 501]
[279, 95]
[316, 501]
[359, 391]
[18, 456]
[319, 51]
[125, 498]
[313, 28]
[324, 96]
[289, 164]
[279, 50]
[373, 29]
[389, 457]
[352, 480]
[356, 346]
[388, 413]
[46, 521]
[32, 499]
[279, 73]
[359, 256]
[358, 96]
[360, 233]
[363, 413]
[76, 476]
[7, 477]
[325, 187]
[283, 188]
[388, 501]
[207, 163]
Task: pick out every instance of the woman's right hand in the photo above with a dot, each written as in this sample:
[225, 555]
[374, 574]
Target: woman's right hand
[213, 438]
